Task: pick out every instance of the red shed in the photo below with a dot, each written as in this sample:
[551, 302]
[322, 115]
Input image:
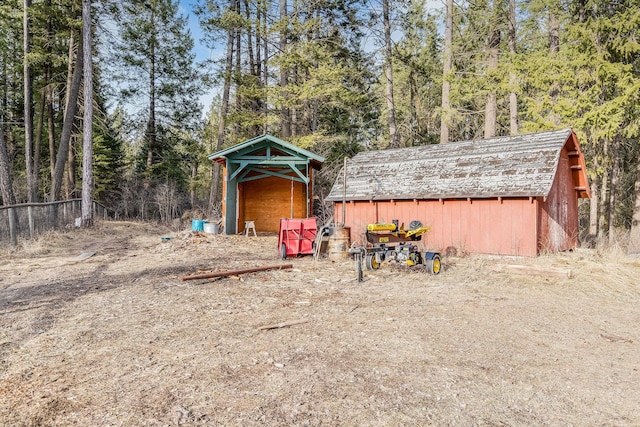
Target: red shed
[515, 195]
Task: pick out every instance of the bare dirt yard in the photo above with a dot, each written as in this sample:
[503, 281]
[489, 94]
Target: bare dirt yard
[116, 339]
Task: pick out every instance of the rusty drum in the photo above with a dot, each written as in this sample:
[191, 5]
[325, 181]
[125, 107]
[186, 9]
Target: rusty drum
[339, 242]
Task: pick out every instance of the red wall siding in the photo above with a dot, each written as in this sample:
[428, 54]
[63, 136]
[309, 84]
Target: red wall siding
[558, 214]
[490, 226]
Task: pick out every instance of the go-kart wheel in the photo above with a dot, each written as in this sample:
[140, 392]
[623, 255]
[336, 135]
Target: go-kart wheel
[434, 265]
[372, 262]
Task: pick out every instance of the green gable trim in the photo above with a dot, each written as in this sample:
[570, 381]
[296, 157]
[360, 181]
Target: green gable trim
[264, 142]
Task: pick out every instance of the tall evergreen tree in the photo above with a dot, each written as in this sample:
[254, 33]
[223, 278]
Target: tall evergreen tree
[159, 80]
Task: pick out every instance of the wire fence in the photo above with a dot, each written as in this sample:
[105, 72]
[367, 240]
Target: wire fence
[28, 220]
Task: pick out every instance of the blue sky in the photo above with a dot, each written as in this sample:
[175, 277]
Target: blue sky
[202, 52]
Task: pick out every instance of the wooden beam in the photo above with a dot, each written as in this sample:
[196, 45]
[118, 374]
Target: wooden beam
[234, 272]
[264, 173]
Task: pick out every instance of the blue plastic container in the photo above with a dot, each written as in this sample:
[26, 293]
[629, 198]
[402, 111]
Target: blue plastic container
[197, 224]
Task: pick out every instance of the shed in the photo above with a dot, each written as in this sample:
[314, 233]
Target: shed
[265, 179]
[515, 195]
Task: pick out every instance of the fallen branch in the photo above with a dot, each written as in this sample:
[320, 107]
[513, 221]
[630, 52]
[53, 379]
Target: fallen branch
[234, 272]
[283, 324]
[614, 338]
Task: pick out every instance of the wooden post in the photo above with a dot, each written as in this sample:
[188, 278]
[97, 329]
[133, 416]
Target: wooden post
[31, 224]
[291, 203]
[12, 226]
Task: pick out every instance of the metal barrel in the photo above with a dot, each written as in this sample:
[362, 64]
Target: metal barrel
[339, 243]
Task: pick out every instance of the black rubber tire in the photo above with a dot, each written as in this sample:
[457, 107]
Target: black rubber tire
[371, 262]
[434, 265]
[283, 251]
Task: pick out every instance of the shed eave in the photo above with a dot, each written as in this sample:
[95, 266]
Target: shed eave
[222, 155]
[434, 197]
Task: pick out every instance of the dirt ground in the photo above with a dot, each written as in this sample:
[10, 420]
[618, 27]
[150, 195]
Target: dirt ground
[117, 339]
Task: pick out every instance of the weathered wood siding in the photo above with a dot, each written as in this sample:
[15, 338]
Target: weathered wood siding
[490, 226]
[558, 214]
[266, 201]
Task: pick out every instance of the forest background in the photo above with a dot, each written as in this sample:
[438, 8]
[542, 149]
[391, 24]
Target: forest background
[332, 76]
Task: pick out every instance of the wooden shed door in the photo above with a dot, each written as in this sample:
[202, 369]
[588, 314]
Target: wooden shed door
[265, 201]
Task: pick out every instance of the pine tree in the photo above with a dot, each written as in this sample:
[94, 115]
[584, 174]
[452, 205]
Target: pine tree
[157, 71]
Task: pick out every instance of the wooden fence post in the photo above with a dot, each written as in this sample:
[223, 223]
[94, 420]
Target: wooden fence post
[12, 227]
[31, 223]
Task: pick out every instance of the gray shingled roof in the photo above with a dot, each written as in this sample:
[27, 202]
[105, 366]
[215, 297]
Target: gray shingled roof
[523, 165]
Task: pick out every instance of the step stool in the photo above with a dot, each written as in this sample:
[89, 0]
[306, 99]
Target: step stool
[249, 225]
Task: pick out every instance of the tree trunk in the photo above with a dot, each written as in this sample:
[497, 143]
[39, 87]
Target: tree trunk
[254, 62]
[582, 14]
[615, 176]
[285, 114]
[194, 175]
[6, 184]
[593, 209]
[388, 73]
[151, 125]
[603, 208]
[491, 107]
[413, 96]
[224, 107]
[513, 97]
[554, 48]
[447, 65]
[67, 125]
[265, 72]
[87, 134]
[238, 75]
[37, 146]
[634, 243]
[51, 127]
[554, 30]
[28, 115]
[70, 182]
[49, 96]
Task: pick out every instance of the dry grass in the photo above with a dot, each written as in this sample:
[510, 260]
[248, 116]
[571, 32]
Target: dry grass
[117, 339]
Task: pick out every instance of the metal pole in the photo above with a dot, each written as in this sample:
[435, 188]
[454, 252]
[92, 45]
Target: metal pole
[344, 191]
